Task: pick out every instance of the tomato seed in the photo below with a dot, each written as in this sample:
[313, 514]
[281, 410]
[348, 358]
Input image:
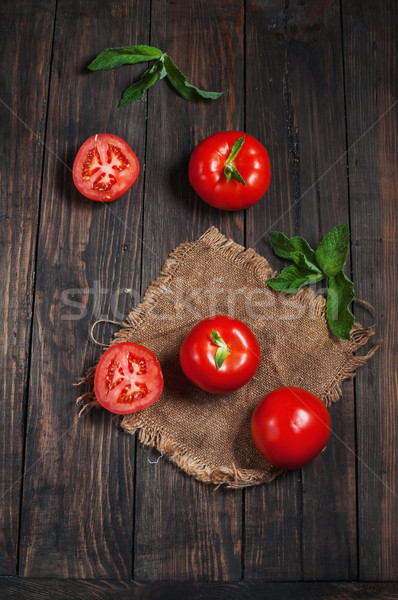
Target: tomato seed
[101, 185]
[138, 362]
[113, 152]
[126, 397]
[91, 164]
[114, 375]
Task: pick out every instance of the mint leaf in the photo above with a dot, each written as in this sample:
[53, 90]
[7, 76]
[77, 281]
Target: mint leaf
[111, 58]
[221, 355]
[223, 349]
[285, 247]
[293, 278]
[230, 170]
[340, 295]
[217, 339]
[331, 253]
[310, 267]
[235, 149]
[306, 265]
[180, 83]
[136, 91]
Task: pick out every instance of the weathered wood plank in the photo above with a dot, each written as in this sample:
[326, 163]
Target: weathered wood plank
[370, 54]
[54, 589]
[329, 494]
[25, 29]
[78, 495]
[272, 513]
[78, 499]
[307, 521]
[185, 530]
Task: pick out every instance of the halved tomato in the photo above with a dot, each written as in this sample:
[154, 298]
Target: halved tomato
[128, 378]
[105, 167]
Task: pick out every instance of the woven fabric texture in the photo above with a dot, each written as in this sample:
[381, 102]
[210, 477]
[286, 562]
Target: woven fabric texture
[208, 436]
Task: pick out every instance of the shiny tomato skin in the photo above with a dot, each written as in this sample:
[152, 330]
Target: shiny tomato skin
[290, 427]
[197, 355]
[105, 167]
[206, 171]
[128, 378]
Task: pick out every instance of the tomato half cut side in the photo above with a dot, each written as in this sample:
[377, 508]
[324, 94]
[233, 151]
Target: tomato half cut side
[128, 378]
[105, 167]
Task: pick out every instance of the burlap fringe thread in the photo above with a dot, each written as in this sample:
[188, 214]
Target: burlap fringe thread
[179, 455]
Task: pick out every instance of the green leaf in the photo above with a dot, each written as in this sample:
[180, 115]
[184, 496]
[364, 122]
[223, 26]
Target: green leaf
[180, 83]
[293, 278]
[304, 264]
[223, 349]
[340, 295]
[230, 169]
[221, 355]
[310, 267]
[331, 253]
[136, 91]
[235, 149]
[217, 339]
[111, 58]
[231, 172]
[285, 247]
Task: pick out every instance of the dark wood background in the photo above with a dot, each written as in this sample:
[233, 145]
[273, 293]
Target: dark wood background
[316, 82]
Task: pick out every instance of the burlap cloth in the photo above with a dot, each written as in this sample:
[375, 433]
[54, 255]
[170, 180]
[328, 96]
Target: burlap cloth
[208, 436]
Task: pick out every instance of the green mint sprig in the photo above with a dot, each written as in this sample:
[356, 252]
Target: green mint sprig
[230, 170]
[310, 266]
[223, 349]
[111, 58]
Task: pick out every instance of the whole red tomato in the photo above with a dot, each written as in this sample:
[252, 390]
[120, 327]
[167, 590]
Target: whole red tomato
[290, 427]
[220, 354]
[105, 167]
[230, 170]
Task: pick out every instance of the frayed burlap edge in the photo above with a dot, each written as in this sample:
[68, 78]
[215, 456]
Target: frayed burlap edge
[182, 457]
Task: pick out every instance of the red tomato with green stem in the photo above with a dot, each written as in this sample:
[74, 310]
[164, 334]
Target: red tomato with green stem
[290, 427]
[105, 167]
[230, 170]
[128, 378]
[220, 354]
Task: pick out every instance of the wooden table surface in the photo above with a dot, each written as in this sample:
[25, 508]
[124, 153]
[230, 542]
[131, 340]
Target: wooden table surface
[84, 514]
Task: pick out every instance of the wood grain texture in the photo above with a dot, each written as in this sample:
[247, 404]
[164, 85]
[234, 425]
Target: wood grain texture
[308, 528]
[53, 589]
[78, 500]
[370, 54]
[272, 513]
[23, 103]
[90, 505]
[185, 530]
[328, 484]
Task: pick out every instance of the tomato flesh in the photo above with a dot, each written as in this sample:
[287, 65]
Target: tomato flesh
[197, 355]
[290, 427]
[128, 378]
[105, 167]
